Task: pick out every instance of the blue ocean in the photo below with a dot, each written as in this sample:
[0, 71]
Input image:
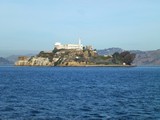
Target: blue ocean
[79, 93]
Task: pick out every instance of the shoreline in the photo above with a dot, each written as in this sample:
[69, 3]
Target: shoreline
[77, 66]
[110, 66]
[98, 66]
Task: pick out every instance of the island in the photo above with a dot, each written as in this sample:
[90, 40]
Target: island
[76, 55]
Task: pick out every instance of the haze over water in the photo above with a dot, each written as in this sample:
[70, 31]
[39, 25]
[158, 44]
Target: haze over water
[80, 93]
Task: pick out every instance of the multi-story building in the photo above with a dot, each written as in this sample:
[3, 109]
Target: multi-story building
[78, 46]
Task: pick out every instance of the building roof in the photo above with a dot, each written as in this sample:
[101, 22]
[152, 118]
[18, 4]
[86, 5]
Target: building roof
[57, 43]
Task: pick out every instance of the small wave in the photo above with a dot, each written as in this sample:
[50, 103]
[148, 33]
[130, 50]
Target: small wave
[8, 109]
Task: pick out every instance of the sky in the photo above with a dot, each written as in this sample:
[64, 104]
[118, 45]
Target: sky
[38, 24]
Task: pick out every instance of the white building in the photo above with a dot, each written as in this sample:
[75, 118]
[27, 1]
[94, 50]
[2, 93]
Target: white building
[78, 46]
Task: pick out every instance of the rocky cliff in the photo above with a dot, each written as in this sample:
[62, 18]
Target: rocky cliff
[58, 58]
[33, 61]
[72, 57]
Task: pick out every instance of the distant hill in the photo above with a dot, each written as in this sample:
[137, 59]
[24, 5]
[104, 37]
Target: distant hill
[109, 51]
[147, 58]
[11, 56]
[14, 58]
[143, 58]
[4, 61]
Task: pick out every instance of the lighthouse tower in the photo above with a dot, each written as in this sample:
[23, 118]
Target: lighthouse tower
[80, 44]
[79, 41]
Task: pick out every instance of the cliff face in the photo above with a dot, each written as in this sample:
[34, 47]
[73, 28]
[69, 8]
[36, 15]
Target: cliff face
[33, 61]
[58, 58]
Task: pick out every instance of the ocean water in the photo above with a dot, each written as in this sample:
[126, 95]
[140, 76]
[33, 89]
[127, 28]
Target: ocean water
[79, 93]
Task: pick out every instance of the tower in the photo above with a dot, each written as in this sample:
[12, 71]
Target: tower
[80, 45]
[79, 41]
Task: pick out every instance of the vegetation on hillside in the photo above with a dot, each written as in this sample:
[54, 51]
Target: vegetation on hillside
[86, 57]
[106, 57]
[124, 57]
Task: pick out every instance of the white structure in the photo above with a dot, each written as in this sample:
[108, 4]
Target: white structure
[78, 46]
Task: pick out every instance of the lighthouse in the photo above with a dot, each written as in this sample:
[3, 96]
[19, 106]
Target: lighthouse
[79, 41]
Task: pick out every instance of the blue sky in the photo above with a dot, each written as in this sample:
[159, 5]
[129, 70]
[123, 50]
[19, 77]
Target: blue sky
[38, 24]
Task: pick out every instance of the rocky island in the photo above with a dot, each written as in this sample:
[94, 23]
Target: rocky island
[76, 55]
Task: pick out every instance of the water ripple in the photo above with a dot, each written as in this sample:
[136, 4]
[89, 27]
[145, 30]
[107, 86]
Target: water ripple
[83, 93]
